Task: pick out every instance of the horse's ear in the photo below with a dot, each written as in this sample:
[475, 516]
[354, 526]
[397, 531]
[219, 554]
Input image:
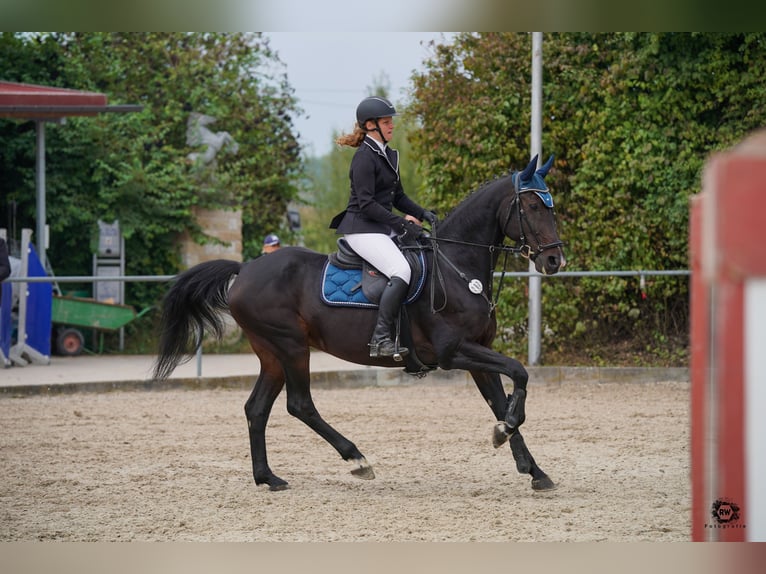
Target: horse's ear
[529, 170]
[543, 171]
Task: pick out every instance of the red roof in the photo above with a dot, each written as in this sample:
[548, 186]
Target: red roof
[28, 101]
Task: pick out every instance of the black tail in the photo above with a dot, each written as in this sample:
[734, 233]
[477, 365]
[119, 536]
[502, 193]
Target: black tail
[193, 306]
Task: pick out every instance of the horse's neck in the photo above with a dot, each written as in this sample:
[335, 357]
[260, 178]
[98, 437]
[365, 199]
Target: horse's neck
[474, 226]
[476, 220]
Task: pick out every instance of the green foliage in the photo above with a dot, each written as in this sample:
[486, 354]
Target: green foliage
[470, 102]
[134, 167]
[632, 119]
[326, 194]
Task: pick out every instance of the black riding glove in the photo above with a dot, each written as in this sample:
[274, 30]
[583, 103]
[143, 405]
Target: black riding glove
[411, 231]
[429, 216]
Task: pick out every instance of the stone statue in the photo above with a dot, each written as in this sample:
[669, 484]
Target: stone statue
[198, 134]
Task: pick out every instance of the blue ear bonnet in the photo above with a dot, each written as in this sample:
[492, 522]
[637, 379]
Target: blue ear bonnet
[529, 180]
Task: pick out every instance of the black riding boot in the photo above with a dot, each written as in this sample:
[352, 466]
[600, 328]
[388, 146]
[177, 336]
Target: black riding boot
[382, 342]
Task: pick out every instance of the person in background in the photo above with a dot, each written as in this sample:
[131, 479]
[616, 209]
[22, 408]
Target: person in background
[270, 244]
[368, 223]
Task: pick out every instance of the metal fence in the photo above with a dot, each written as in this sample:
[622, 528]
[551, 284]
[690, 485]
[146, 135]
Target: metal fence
[640, 273]
[161, 278]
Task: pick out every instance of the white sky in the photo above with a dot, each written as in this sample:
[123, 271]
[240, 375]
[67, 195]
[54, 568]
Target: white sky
[332, 71]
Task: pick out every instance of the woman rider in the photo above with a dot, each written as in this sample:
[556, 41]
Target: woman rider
[368, 223]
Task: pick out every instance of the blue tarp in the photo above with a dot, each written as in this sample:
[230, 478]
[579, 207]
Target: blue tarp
[39, 307]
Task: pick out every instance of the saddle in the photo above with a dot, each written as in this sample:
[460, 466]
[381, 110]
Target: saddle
[349, 280]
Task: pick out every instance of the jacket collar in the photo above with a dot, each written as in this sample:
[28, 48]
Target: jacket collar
[391, 158]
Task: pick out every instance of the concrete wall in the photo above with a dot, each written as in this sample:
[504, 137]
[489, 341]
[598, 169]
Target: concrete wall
[225, 225]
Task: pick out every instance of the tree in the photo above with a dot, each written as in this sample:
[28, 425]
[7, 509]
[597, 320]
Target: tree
[631, 119]
[134, 167]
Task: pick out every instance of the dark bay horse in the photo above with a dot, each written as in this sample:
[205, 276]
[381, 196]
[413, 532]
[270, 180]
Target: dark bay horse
[276, 301]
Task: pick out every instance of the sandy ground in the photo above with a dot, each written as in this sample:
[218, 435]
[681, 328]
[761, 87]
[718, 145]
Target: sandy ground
[175, 466]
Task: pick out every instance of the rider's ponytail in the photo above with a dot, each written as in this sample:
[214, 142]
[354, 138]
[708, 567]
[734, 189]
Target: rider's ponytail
[353, 139]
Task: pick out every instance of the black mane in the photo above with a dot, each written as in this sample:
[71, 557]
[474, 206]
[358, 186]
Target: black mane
[471, 212]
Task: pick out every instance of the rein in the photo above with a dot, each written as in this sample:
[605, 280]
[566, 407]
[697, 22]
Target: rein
[474, 285]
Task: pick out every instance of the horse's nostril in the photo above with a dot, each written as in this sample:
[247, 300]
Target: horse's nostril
[553, 261]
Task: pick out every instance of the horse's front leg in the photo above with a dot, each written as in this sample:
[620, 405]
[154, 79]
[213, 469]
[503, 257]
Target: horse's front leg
[485, 366]
[508, 410]
[491, 388]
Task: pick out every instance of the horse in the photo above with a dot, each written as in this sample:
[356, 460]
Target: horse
[275, 299]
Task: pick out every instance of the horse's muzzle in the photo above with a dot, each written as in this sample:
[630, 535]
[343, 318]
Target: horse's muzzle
[551, 262]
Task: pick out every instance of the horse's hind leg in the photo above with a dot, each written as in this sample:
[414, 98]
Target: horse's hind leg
[491, 388]
[301, 406]
[257, 411]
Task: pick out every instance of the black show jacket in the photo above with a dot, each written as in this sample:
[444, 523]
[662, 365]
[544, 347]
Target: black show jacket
[375, 190]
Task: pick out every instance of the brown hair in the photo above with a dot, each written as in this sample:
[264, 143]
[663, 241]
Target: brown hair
[354, 139]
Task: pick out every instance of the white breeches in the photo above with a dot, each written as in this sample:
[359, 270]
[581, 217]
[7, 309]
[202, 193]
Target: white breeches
[380, 250]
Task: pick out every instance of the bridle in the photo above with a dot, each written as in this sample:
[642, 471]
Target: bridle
[522, 248]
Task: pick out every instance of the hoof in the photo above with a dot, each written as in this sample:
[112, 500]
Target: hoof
[278, 487]
[363, 470]
[274, 483]
[500, 434]
[543, 484]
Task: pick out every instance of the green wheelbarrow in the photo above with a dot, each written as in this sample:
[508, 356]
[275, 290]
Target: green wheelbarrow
[70, 314]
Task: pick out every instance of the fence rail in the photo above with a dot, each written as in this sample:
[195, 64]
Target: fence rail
[161, 278]
[636, 273]
[641, 273]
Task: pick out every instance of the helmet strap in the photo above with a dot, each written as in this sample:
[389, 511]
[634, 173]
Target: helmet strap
[377, 129]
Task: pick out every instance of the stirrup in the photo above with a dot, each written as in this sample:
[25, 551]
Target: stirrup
[382, 349]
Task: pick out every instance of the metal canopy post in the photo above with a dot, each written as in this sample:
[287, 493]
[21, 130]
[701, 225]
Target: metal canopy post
[40, 234]
[535, 311]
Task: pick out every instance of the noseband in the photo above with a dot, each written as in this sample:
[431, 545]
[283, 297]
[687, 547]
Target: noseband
[523, 248]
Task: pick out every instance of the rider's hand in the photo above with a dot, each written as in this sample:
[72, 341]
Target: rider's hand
[411, 231]
[412, 218]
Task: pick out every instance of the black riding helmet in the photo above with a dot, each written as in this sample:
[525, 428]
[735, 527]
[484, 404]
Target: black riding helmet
[373, 108]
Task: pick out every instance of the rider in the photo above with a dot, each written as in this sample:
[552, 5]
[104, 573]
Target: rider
[368, 222]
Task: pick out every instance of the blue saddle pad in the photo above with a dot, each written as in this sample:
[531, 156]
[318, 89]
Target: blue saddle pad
[343, 287]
